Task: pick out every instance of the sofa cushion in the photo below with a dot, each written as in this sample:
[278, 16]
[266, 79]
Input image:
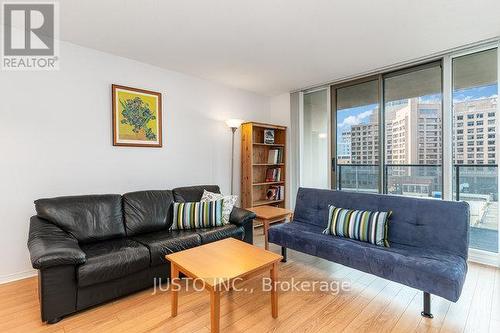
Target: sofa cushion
[437, 272]
[193, 193]
[147, 211]
[192, 215]
[161, 243]
[213, 234]
[286, 234]
[111, 259]
[88, 218]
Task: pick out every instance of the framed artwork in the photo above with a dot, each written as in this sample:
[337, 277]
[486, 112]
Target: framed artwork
[136, 117]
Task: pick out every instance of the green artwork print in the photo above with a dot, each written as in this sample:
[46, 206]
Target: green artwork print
[137, 117]
[137, 114]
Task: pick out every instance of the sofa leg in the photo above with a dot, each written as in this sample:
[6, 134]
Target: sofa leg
[427, 306]
[283, 253]
[54, 320]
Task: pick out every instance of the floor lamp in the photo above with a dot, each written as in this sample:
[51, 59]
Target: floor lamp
[233, 124]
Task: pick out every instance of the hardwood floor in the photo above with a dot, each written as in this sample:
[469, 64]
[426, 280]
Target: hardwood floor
[370, 305]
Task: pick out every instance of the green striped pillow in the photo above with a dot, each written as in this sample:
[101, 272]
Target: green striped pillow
[362, 225]
[192, 215]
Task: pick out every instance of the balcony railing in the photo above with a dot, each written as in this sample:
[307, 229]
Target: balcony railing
[475, 183]
[469, 178]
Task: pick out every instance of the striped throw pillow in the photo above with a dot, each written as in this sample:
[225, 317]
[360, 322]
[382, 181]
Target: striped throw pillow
[227, 205]
[362, 225]
[192, 215]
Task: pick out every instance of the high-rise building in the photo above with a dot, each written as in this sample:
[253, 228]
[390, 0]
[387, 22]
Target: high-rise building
[413, 144]
[413, 133]
[474, 131]
[344, 148]
[364, 141]
[412, 137]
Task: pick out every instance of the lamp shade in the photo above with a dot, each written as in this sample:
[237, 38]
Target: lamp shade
[234, 123]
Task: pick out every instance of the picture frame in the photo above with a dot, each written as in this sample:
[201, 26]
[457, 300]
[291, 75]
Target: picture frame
[269, 136]
[137, 117]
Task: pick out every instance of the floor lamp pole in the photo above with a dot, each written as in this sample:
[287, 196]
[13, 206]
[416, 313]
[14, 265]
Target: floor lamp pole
[233, 129]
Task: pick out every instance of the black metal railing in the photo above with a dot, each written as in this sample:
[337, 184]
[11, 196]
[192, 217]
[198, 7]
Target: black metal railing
[493, 186]
[370, 174]
[339, 172]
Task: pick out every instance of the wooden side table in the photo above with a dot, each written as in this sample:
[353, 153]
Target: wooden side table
[268, 215]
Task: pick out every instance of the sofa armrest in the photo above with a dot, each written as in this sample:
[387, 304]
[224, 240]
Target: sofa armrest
[50, 246]
[244, 218]
[240, 216]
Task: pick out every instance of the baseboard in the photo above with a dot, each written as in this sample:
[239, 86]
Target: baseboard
[17, 276]
[484, 257]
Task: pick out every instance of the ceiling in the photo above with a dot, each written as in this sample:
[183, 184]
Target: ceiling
[274, 46]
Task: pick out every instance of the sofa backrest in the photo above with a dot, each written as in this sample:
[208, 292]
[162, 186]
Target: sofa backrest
[88, 218]
[424, 223]
[147, 211]
[193, 193]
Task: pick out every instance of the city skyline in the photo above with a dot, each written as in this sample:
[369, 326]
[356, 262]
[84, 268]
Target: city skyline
[364, 115]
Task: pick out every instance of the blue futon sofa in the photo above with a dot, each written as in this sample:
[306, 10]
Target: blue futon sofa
[429, 239]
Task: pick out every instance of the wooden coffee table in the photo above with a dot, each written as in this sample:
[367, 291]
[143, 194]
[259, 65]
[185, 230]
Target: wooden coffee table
[218, 264]
[270, 214]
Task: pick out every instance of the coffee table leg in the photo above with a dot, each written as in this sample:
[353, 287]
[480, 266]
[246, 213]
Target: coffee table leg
[274, 292]
[265, 226]
[174, 276]
[214, 310]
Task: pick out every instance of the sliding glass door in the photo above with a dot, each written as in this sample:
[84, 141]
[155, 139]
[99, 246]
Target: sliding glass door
[475, 144]
[412, 118]
[356, 148]
[412, 151]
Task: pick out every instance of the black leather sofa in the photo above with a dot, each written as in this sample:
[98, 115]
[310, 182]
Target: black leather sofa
[94, 248]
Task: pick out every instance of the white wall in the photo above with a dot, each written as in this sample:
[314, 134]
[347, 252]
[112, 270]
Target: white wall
[280, 114]
[55, 138]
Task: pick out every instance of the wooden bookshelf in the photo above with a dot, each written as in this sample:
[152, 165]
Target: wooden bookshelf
[269, 144]
[266, 202]
[255, 164]
[268, 164]
[268, 183]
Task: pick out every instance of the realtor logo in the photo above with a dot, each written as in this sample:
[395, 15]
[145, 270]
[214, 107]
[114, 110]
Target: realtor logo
[29, 36]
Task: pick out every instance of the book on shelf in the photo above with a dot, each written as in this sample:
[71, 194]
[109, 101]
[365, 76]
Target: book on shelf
[275, 156]
[273, 175]
[275, 193]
